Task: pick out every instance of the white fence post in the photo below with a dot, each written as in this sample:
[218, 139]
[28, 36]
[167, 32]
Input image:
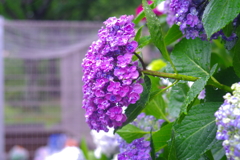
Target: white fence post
[2, 134]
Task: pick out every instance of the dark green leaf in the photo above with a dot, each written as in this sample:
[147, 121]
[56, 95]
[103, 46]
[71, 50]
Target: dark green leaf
[155, 30]
[172, 147]
[161, 137]
[226, 77]
[196, 88]
[131, 132]
[236, 52]
[138, 34]
[176, 99]
[228, 29]
[216, 58]
[196, 134]
[172, 35]
[236, 62]
[156, 104]
[208, 155]
[156, 107]
[163, 154]
[191, 57]
[155, 81]
[133, 110]
[153, 154]
[145, 40]
[218, 14]
[218, 151]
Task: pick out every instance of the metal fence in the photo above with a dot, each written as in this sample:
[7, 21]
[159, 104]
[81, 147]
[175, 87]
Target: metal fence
[42, 80]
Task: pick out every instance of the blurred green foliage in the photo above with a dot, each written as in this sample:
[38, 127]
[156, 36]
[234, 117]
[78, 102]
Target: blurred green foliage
[66, 9]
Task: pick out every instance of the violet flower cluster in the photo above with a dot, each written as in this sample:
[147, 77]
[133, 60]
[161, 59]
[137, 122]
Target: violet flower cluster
[139, 149]
[228, 122]
[188, 15]
[111, 79]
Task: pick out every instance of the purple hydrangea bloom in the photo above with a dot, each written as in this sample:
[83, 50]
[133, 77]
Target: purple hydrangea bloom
[228, 122]
[139, 149]
[111, 79]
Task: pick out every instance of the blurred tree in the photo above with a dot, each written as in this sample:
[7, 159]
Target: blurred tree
[66, 9]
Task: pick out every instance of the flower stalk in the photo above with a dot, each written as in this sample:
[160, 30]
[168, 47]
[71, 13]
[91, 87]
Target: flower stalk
[213, 82]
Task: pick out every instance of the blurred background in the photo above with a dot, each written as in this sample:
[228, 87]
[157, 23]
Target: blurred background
[42, 44]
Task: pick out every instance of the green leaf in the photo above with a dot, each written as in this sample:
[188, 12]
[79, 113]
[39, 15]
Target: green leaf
[157, 65]
[177, 95]
[228, 30]
[84, 148]
[156, 2]
[155, 84]
[153, 154]
[141, 15]
[138, 34]
[196, 88]
[131, 132]
[236, 62]
[224, 76]
[156, 107]
[218, 14]
[133, 110]
[172, 147]
[155, 30]
[172, 35]
[191, 57]
[161, 137]
[143, 41]
[156, 104]
[196, 134]
[218, 151]
[236, 52]
[208, 155]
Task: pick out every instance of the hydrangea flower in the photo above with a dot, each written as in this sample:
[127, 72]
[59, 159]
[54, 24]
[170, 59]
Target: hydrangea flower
[188, 15]
[228, 122]
[110, 77]
[139, 149]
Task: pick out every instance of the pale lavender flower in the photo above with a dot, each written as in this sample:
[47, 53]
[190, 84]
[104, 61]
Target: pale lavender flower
[228, 122]
[139, 149]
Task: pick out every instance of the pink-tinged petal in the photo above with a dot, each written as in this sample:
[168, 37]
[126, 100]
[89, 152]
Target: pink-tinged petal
[123, 91]
[133, 97]
[99, 93]
[137, 88]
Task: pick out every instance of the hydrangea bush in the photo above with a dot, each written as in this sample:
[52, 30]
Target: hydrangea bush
[200, 42]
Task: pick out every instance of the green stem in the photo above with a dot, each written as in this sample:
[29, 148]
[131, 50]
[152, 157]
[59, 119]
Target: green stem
[169, 75]
[212, 81]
